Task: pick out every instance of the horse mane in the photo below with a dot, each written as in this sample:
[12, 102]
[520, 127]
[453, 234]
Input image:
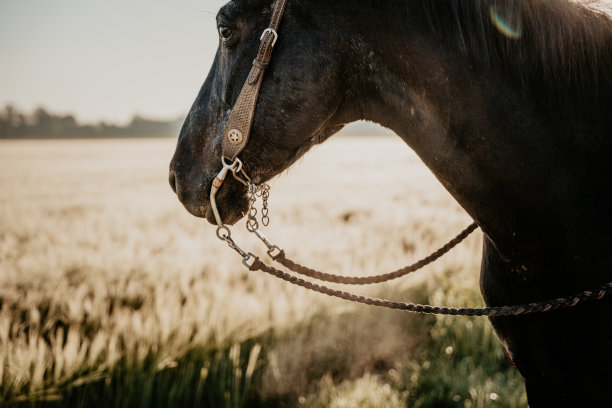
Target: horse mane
[558, 49]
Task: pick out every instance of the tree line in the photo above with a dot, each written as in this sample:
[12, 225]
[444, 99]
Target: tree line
[15, 124]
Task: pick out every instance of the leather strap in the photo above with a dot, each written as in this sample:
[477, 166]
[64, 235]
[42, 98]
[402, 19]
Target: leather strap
[238, 127]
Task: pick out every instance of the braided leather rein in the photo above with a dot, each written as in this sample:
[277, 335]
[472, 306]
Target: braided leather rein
[235, 138]
[368, 280]
[515, 310]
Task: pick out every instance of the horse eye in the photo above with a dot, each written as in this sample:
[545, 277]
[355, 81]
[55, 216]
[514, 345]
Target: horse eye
[225, 33]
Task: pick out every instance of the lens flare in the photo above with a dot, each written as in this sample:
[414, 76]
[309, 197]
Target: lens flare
[509, 26]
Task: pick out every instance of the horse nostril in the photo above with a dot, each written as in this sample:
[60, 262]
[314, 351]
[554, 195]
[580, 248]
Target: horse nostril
[172, 181]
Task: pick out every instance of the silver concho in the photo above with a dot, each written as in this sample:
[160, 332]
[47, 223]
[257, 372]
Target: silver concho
[234, 136]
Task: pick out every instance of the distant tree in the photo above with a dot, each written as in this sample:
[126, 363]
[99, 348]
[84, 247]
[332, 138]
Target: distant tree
[4, 125]
[43, 124]
[140, 126]
[12, 122]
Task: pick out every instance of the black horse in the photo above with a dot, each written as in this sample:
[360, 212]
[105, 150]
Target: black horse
[508, 102]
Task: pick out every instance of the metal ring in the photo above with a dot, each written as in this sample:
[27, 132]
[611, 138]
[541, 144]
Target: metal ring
[235, 166]
[223, 237]
[252, 225]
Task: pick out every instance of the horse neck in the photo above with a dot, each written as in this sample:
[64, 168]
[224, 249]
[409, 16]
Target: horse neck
[525, 172]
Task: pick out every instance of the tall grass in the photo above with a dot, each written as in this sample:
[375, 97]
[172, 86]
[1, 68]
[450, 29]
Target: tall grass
[112, 295]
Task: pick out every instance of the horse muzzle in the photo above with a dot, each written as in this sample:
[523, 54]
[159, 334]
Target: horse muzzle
[194, 193]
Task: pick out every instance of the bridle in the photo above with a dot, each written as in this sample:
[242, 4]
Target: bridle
[235, 139]
[238, 127]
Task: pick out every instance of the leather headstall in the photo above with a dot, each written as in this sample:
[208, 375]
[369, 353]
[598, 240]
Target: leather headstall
[238, 127]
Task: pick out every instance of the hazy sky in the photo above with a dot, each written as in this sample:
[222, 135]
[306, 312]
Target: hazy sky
[106, 59]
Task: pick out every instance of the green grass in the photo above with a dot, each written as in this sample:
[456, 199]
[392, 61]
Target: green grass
[356, 358]
[462, 365]
[203, 378]
[459, 362]
[368, 391]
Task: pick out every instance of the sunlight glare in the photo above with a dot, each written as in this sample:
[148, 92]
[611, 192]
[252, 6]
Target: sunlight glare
[505, 25]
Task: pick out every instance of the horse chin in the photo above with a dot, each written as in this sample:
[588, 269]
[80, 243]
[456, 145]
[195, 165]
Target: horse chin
[231, 203]
[228, 218]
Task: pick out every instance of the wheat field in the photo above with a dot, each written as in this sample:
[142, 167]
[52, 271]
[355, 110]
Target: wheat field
[103, 273]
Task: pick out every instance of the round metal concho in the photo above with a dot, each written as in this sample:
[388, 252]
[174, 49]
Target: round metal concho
[234, 136]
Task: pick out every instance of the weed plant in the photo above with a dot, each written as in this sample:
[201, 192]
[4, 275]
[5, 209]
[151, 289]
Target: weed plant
[462, 363]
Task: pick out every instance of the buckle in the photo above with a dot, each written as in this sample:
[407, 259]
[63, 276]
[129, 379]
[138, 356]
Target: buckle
[273, 32]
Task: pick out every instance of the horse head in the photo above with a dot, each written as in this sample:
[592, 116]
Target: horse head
[302, 101]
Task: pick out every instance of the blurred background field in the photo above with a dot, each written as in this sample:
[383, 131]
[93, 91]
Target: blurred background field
[111, 294]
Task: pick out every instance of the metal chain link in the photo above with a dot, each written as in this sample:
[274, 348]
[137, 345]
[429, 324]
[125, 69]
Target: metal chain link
[251, 223]
[265, 195]
[254, 191]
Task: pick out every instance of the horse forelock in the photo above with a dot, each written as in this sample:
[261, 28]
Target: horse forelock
[561, 47]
